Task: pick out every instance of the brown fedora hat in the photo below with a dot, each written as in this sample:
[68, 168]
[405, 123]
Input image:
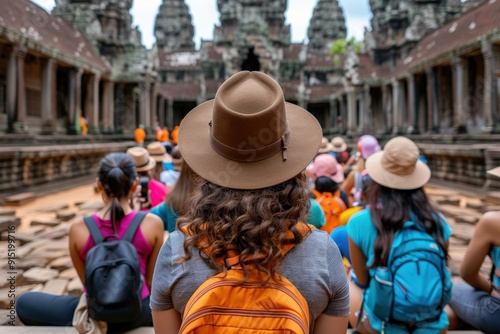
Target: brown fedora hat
[248, 137]
[398, 166]
[143, 162]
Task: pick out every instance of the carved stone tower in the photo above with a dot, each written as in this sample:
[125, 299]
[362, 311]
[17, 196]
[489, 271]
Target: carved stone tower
[252, 31]
[397, 25]
[106, 23]
[327, 25]
[174, 29]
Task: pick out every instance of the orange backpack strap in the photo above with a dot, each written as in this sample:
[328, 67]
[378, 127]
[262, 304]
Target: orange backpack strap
[233, 258]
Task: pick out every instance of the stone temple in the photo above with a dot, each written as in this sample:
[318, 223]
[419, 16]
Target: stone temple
[427, 66]
[428, 69]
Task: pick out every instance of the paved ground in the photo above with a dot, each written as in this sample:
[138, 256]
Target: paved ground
[42, 260]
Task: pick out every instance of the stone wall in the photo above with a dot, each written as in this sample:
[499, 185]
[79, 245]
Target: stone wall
[24, 167]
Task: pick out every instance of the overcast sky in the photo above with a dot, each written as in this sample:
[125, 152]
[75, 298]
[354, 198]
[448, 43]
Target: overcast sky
[205, 15]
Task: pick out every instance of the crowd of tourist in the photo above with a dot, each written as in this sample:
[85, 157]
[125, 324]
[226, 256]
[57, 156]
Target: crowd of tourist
[250, 185]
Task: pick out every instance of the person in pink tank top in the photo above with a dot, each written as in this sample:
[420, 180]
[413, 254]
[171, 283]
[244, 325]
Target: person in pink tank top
[117, 181]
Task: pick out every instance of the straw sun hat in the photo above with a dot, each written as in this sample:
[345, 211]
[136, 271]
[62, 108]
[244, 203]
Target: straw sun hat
[248, 137]
[158, 152]
[325, 146]
[398, 166]
[338, 145]
[143, 162]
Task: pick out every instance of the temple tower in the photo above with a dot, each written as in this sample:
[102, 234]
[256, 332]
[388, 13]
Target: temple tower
[327, 25]
[397, 25]
[174, 29]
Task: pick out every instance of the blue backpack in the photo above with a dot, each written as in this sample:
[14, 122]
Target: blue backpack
[415, 285]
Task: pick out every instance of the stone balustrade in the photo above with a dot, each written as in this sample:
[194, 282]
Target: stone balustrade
[26, 166]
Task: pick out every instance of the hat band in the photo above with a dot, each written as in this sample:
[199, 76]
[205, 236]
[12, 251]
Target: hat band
[251, 155]
[143, 165]
[156, 154]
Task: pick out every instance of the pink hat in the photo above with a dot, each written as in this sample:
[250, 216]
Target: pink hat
[368, 145]
[327, 165]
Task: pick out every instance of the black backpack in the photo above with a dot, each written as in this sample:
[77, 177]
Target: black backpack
[113, 278]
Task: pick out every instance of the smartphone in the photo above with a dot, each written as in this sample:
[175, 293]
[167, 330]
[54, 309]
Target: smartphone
[144, 182]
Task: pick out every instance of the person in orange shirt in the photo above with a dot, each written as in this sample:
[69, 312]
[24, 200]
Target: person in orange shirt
[83, 126]
[140, 135]
[165, 135]
[175, 132]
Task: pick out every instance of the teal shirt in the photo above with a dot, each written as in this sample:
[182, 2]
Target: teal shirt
[316, 215]
[363, 233]
[495, 257]
[167, 215]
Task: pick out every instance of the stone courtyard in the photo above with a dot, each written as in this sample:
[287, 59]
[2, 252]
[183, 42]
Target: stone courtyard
[42, 261]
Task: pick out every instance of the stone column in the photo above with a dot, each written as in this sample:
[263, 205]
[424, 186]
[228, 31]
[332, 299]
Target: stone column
[108, 109]
[154, 108]
[366, 122]
[333, 113]
[412, 102]
[161, 111]
[21, 86]
[11, 89]
[145, 111]
[78, 100]
[460, 95]
[72, 102]
[386, 108]
[343, 113]
[490, 54]
[351, 109]
[396, 97]
[92, 103]
[49, 112]
[170, 113]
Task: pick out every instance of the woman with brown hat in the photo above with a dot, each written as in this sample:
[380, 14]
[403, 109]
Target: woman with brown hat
[399, 210]
[250, 149]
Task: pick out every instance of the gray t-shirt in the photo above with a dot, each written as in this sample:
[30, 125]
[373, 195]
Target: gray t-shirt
[314, 266]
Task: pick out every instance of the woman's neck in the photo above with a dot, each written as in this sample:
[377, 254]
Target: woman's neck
[104, 213]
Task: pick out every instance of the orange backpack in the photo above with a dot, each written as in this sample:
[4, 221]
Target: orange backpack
[226, 304]
[332, 206]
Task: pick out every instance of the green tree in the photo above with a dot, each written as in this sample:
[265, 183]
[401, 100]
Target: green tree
[340, 47]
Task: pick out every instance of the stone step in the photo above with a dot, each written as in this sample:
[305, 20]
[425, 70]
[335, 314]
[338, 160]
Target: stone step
[20, 199]
[56, 286]
[40, 275]
[7, 212]
[45, 221]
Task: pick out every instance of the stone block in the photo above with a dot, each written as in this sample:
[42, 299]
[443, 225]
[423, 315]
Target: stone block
[53, 208]
[30, 262]
[65, 215]
[75, 287]
[61, 264]
[44, 221]
[7, 221]
[69, 273]
[92, 205]
[20, 199]
[5, 275]
[27, 248]
[56, 286]
[7, 212]
[40, 275]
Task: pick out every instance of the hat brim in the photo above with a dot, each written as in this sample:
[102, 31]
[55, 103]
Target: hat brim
[494, 171]
[417, 179]
[304, 142]
[328, 148]
[339, 149]
[151, 164]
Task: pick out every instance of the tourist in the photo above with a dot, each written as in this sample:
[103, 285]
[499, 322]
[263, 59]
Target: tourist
[171, 174]
[397, 202]
[366, 146]
[140, 135]
[325, 147]
[159, 153]
[477, 302]
[117, 180]
[339, 147]
[254, 195]
[150, 192]
[176, 203]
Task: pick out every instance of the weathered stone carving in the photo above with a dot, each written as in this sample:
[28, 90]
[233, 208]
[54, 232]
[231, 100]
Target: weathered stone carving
[327, 25]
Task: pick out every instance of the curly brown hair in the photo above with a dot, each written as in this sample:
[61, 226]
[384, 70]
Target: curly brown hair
[258, 223]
